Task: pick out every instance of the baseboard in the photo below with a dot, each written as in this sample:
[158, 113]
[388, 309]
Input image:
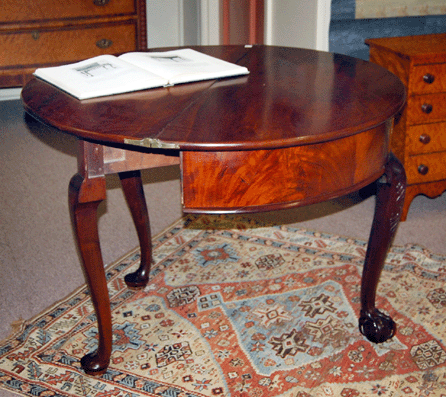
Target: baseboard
[10, 94]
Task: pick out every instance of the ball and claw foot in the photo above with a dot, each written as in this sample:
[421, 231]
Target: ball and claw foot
[376, 326]
[91, 364]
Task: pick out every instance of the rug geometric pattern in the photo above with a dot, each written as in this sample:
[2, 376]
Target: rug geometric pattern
[236, 307]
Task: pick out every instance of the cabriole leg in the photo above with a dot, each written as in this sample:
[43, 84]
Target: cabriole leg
[376, 326]
[134, 194]
[84, 197]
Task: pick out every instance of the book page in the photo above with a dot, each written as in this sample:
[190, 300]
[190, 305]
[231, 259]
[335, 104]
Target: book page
[180, 66]
[99, 76]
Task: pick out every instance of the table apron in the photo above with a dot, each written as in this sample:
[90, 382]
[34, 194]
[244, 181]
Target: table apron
[258, 180]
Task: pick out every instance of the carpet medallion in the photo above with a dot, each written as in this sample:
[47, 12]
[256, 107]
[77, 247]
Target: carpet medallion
[236, 307]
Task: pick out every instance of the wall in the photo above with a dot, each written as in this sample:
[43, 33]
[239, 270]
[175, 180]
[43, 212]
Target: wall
[209, 22]
[174, 22]
[294, 23]
[298, 23]
[347, 34]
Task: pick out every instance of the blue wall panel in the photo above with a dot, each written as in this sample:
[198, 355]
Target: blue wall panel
[347, 34]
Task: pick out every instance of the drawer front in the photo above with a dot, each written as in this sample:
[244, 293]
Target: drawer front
[426, 168]
[423, 109]
[426, 138]
[25, 10]
[428, 79]
[283, 177]
[65, 45]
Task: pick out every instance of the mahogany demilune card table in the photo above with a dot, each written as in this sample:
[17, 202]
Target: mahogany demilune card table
[303, 127]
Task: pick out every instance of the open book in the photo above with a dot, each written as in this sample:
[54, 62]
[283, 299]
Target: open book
[108, 75]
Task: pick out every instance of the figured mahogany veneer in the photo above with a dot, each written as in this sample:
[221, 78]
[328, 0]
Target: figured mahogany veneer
[302, 127]
[256, 180]
[419, 138]
[50, 32]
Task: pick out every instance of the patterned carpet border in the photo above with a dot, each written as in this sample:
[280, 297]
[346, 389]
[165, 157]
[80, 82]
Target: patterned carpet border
[236, 307]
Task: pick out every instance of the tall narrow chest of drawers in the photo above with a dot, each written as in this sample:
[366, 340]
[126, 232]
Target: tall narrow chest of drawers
[419, 135]
[52, 32]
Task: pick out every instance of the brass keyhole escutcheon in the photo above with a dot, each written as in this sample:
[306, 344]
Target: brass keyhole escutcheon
[104, 43]
[101, 2]
[35, 35]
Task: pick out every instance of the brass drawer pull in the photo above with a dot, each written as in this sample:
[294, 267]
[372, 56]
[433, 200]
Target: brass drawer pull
[423, 169]
[425, 139]
[426, 108]
[101, 2]
[428, 78]
[104, 43]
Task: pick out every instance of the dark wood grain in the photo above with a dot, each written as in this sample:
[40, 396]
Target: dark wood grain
[291, 97]
[259, 180]
[303, 127]
[86, 192]
[375, 325]
[134, 195]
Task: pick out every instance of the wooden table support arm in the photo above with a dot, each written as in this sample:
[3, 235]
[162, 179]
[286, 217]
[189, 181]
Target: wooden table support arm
[376, 326]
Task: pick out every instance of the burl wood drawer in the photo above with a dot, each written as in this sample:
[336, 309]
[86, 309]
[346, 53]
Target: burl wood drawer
[426, 167]
[25, 10]
[426, 108]
[426, 138]
[65, 45]
[419, 136]
[428, 79]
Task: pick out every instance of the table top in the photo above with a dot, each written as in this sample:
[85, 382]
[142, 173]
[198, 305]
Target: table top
[291, 97]
[420, 46]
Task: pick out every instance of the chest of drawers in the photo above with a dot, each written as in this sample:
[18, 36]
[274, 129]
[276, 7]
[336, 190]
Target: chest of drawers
[419, 135]
[51, 32]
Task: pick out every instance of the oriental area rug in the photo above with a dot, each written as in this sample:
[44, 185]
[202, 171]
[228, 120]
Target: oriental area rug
[236, 307]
